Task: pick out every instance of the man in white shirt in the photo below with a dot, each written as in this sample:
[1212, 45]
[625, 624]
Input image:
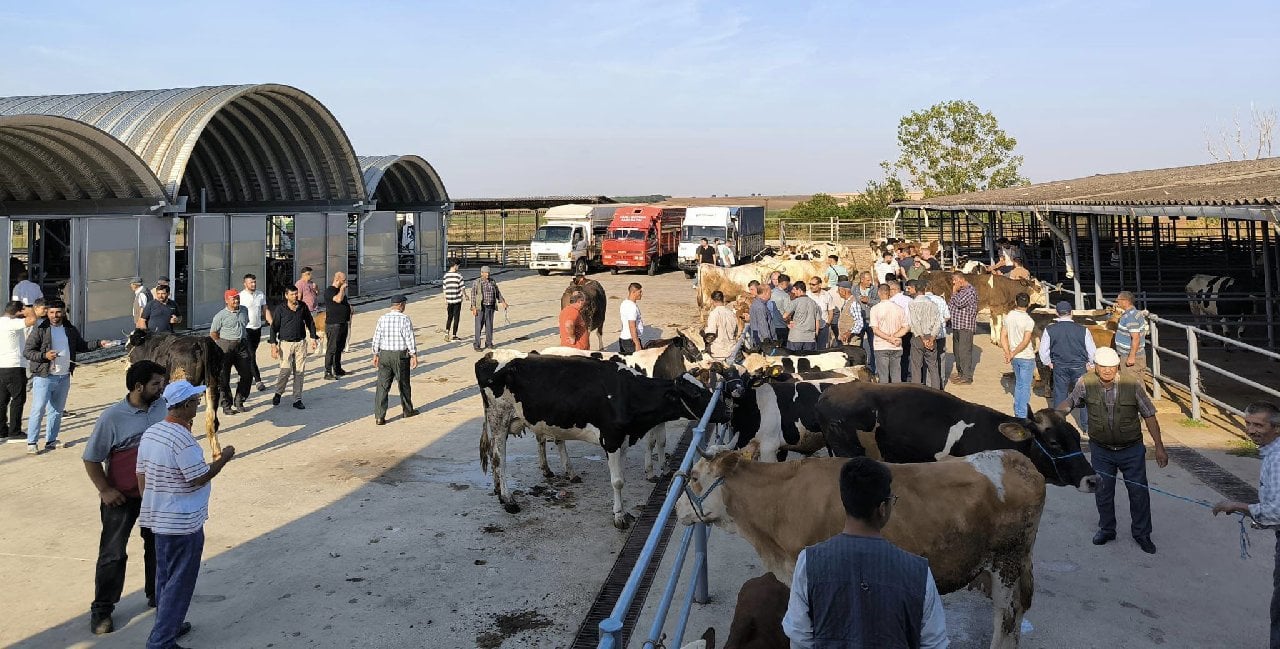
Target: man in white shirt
[857, 589]
[140, 297]
[631, 337]
[723, 323]
[13, 369]
[256, 302]
[174, 481]
[26, 291]
[885, 267]
[888, 324]
[724, 254]
[1015, 341]
[823, 299]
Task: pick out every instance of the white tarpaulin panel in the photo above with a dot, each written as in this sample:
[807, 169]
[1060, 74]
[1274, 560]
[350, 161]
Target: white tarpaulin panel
[207, 252]
[379, 254]
[308, 248]
[110, 252]
[337, 249]
[248, 249]
[431, 247]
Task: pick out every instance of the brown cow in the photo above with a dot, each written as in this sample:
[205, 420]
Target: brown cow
[757, 617]
[974, 518]
[593, 310]
[995, 294]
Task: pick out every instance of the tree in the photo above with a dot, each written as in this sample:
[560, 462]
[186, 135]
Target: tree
[1235, 143]
[953, 147]
[873, 202]
[819, 207]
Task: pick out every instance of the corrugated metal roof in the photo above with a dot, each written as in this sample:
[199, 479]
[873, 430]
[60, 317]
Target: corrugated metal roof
[242, 144]
[45, 158]
[1243, 183]
[396, 181]
[527, 202]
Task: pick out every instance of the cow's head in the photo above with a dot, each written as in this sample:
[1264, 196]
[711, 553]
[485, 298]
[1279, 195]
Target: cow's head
[703, 499]
[1038, 291]
[1053, 445]
[687, 347]
[693, 396]
[136, 339]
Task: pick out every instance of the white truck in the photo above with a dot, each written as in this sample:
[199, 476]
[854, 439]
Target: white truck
[742, 227]
[570, 238]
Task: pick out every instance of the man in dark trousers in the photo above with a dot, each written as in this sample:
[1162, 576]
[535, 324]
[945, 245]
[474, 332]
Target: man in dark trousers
[229, 332]
[1118, 406]
[857, 589]
[395, 355]
[964, 322]
[485, 298]
[337, 325]
[1067, 349]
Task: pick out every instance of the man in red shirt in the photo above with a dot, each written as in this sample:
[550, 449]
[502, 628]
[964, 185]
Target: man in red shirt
[573, 327]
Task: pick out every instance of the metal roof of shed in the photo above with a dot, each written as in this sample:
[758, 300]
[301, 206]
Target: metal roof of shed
[402, 181]
[255, 143]
[527, 203]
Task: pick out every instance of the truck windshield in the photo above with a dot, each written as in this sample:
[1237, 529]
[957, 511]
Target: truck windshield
[553, 234]
[696, 232]
[627, 234]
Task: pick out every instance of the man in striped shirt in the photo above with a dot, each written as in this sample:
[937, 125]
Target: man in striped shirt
[174, 481]
[452, 300]
[395, 354]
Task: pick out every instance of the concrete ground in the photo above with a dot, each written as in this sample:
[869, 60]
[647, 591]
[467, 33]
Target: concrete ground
[328, 532]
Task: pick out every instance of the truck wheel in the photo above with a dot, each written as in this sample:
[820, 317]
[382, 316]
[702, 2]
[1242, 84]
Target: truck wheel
[581, 267]
[544, 272]
[613, 271]
[653, 267]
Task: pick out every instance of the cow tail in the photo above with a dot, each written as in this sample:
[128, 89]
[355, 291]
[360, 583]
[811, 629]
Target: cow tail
[486, 443]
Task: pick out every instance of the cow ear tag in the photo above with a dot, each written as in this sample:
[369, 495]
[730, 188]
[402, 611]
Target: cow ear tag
[1015, 432]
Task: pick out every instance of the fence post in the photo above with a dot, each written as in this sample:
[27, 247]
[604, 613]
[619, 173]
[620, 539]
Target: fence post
[1155, 360]
[700, 594]
[1193, 374]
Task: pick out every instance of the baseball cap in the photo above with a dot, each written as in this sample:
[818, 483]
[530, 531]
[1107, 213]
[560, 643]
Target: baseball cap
[230, 293]
[179, 391]
[1106, 357]
[399, 299]
[162, 279]
[1064, 307]
[848, 285]
[137, 281]
[484, 269]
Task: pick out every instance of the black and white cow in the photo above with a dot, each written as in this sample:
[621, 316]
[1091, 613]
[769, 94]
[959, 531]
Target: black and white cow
[569, 398]
[780, 412]
[846, 356]
[1206, 295]
[906, 422]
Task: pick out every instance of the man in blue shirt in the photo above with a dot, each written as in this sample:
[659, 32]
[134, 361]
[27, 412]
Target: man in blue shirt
[761, 324]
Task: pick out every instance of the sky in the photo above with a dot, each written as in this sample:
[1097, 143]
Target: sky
[686, 97]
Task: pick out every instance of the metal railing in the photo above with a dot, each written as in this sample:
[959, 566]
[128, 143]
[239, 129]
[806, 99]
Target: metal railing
[836, 230]
[694, 535]
[489, 253]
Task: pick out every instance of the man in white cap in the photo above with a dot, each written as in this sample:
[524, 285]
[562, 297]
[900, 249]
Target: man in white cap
[1117, 407]
[174, 480]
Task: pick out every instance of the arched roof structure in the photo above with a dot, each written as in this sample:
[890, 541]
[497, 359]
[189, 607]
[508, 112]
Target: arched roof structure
[402, 182]
[46, 158]
[243, 144]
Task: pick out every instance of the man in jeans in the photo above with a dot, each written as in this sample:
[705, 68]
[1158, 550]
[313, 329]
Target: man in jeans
[290, 322]
[1015, 341]
[888, 324]
[13, 369]
[114, 441]
[174, 480]
[485, 298]
[51, 350]
[964, 322]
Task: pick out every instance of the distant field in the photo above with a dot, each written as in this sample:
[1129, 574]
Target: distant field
[773, 203]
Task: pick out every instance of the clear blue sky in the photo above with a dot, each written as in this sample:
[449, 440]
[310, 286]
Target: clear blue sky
[687, 97]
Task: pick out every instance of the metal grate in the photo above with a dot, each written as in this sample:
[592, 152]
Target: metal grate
[588, 636]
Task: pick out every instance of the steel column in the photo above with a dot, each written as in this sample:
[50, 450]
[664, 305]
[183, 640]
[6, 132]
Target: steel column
[1097, 261]
[1155, 359]
[1270, 287]
[1135, 230]
[1075, 262]
[1193, 371]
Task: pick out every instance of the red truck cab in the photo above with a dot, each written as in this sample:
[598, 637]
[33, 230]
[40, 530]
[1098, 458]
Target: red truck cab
[643, 236]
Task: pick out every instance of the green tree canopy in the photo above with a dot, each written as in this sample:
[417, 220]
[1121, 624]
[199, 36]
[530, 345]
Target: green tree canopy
[953, 147]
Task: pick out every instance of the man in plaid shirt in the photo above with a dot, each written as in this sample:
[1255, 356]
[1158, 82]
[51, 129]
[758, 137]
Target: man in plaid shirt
[964, 322]
[395, 354]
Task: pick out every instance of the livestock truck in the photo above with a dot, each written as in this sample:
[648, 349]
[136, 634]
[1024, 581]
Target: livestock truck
[570, 239]
[643, 236]
[740, 226]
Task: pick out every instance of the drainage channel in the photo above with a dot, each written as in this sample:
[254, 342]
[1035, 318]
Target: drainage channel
[588, 635]
[1210, 473]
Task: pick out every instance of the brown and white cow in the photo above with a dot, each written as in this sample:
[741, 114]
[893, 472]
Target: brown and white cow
[975, 518]
[995, 294]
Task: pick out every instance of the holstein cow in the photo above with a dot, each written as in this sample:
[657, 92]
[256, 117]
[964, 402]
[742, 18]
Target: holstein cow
[975, 519]
[1208, 307]
[792, 361]
[780, 415]
[567, 398]
[594, 309]
[757, 616]
[995, 294]
[906, 422]
[194, 358]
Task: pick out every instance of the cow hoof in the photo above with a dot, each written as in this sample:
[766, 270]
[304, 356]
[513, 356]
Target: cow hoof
[652, 478]
[511, 508]
[577, 479]
[624, 521]
[548, 474]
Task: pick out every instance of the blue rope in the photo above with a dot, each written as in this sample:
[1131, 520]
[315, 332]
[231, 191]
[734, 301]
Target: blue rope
[1244, 534]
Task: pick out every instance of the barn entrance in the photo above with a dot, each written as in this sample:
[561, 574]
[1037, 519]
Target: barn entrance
[42, 249]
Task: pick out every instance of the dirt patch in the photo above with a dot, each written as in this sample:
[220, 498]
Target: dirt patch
[510, 624]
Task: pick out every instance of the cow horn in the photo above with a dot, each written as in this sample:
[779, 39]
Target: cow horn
[705, 455]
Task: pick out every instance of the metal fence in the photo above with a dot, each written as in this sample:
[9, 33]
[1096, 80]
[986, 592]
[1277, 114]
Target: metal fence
[496, 254]
[695, 536]
[836, 230]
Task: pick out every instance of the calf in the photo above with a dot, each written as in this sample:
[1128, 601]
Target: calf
[578, 399]
[906, 422]
[194, 358]
[757, 616]
[975, 519]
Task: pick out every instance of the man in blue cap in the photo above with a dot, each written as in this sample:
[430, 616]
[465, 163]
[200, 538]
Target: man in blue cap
[1067, 349]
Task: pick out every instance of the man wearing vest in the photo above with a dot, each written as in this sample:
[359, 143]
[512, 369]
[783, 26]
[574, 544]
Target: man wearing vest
[1067, 349]
[856, 589]
[1117, 406]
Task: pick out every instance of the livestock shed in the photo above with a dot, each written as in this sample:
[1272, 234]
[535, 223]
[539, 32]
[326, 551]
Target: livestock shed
[403, 239]
[200, 184]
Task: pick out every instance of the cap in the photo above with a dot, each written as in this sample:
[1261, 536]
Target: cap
[181, 390]
[848, 285]
[484, 269]
[1064, 307]
[1106, 357]
[399, 299]
[137, 281]
[162, 280]
[230, 293]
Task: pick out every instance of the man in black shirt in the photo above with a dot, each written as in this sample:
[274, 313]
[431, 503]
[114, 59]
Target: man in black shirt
[290, 322]
[337, 325]
[160, 314]
[706, 254]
